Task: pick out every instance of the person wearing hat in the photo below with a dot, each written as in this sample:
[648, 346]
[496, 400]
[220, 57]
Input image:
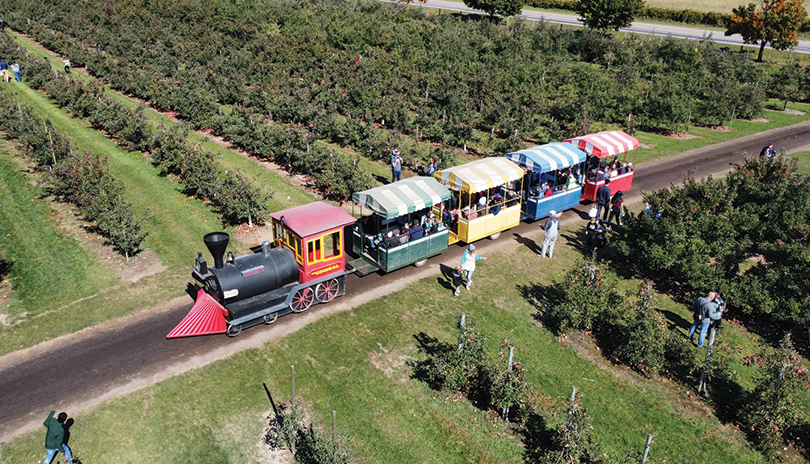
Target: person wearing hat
[396, 166]
[552, 229]
[768, 152]
[468, 260]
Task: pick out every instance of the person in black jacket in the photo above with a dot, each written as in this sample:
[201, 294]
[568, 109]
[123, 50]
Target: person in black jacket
[603, 199]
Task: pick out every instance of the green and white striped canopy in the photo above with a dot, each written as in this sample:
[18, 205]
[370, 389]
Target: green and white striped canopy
[403, 197]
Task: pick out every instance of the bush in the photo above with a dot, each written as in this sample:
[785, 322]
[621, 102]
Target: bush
[774, 406]
[587, 296]
[308, 444]
[644, 336]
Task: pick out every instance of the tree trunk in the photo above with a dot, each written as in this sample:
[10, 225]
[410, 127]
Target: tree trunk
[761, 49]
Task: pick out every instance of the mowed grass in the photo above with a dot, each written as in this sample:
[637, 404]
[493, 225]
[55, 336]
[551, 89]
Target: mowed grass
[356, 363]
[46, 268]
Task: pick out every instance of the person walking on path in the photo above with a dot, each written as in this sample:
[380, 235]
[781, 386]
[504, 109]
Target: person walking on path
[396, 166]
[67, 65]
[55, 437]
[603, 199]
[552, 229]
[701, 309]
[15, 68]
[768, 152]
[468, 260]
[716, 312]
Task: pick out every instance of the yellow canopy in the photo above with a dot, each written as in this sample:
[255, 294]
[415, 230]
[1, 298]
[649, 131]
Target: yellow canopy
[480, 175]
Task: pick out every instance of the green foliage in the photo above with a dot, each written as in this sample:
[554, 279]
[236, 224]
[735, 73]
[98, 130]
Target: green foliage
[239, 200]
[496, 7]
[774, 407]
[790, 84]
[608, 14]
[644, 336]
[572, 441]
[308, 444]
[587, 297]
[708, 229]
[467, 370]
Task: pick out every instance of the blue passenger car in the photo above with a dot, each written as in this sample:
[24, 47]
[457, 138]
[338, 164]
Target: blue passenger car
[553, 179]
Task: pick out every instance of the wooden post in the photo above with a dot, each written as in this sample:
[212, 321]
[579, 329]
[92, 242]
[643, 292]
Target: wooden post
[461, 332]
[505, 411]
[647, 449]
[334, 436]
[292, 386]
[50, 139]
[571, 408]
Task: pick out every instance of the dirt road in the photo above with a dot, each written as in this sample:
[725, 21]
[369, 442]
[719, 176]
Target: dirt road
[99, 363]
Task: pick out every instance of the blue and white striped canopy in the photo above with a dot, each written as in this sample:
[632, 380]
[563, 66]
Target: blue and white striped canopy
[544, 158]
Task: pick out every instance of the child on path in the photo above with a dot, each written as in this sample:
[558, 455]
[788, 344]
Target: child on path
[456, 276]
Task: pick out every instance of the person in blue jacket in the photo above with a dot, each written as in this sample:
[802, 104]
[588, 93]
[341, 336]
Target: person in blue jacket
[603, 199]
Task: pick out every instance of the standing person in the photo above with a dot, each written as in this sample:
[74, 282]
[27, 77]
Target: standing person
[432, 167]
[602, 199]
[716, 312]
[15, 68]
[468, 260]
[4, 69]
[456, 277]
[552, 228]
[616, 205]
[55, 437]
[768, 152]
[592, 236]
[701, 309]
[396, 166]
[67, 65]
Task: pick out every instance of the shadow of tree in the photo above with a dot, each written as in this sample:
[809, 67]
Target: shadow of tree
[537, 437]
[422, 369]
[542, 297]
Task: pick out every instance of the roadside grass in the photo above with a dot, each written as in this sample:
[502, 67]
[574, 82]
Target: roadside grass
[47, 269]
[804, 161]
[356, 363]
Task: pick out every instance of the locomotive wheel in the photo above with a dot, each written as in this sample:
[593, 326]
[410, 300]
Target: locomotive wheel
[420, 263]
[327, 291]
[302, 300]
[495, 236]
[270, 318]
[234, 330]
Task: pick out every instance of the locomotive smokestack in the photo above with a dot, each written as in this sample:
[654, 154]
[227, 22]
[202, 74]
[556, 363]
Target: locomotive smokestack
[217, 242]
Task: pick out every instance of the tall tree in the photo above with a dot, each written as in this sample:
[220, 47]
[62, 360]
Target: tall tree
[608, 14]
[776, 23]
[496, 7]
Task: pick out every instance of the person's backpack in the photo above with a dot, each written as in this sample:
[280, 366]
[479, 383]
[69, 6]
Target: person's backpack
[697, 310]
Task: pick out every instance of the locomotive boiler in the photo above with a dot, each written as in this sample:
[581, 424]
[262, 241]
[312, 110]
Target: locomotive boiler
[304, 265]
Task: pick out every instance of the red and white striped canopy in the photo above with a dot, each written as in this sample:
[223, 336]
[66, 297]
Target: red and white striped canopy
[605, 143]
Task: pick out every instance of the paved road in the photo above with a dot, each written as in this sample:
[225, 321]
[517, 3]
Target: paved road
[696, 33]
[80, 370]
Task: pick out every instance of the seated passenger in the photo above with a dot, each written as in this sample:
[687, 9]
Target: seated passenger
[434, 225]
[416, 230]
[629, 167]
[497, 203]
[482, 206]
[548, 192]
[511, 198]
[623, 169]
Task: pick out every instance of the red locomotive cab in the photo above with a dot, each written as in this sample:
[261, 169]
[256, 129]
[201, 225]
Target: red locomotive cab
[314, 232]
